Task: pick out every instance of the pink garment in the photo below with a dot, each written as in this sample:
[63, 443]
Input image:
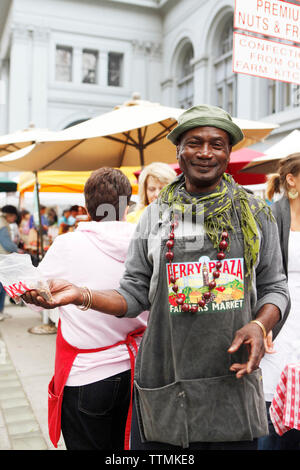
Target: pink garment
[93, 256]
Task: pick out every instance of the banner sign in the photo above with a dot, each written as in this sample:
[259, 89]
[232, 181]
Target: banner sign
[36, 216]
[267, 59]
[274, 18]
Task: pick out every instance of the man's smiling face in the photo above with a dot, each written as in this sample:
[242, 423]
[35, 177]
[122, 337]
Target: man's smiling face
[203, 154]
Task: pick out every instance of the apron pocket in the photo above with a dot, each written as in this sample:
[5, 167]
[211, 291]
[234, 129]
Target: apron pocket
[225, 408]
[161, 414]
[54, 413]
[216, 409]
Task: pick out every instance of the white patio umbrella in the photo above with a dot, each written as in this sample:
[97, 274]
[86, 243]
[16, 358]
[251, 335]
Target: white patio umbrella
[133, 134]
[23, 138]
[9, 144]
[269, 162]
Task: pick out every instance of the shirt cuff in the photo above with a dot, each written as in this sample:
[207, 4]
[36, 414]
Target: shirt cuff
[276, 299]
[134, 308]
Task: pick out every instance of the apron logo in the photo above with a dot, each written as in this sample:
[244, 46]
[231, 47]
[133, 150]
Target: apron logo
[194, 277]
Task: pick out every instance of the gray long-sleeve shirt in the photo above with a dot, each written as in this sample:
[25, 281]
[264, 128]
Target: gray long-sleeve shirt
[191, 383]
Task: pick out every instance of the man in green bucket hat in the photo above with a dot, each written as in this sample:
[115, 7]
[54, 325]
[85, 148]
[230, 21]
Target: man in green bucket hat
[213, 294]
[205, 115]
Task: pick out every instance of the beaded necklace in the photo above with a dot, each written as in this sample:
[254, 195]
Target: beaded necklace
[206, 296]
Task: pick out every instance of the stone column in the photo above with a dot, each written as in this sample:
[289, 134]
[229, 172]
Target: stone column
[4, 79]
[146, 67]
[167, 89]
[138, 75]
[201, 85]
[39, 81]
[245, 96]
[153, 71]
[20, 63]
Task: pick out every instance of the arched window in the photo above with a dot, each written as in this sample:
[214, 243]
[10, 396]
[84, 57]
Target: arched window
[185, 84]
[225, 79]
[226, 38]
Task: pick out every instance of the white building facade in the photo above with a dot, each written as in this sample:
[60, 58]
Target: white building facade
[64, 61]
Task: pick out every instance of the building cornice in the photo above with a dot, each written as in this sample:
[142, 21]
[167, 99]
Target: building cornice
[149, 48]
[153, 4]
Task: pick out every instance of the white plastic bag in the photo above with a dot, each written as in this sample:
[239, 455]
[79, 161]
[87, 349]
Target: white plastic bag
[18, 275]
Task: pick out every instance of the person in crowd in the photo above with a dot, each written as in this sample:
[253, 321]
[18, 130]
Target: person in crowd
[15, 230]
[207, 264]
[44, 220]
[8, 216]
[81, 211]
[73, 215]
[93, 381]
[24, 226]
[64, 217]
[52, 216]
[151, 180]
[53, 228]
[63, 226]
[286, 346]
[81, 216]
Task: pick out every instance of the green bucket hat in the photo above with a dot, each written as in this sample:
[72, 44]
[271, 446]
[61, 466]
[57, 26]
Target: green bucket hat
[206, 115]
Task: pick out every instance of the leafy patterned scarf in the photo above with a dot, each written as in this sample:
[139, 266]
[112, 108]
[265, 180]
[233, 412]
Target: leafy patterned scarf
[217, 209]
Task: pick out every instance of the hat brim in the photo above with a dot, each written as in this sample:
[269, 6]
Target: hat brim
[230, 127]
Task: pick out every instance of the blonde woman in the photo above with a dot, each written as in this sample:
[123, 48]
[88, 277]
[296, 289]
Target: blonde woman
[286, 347]
[151, 181]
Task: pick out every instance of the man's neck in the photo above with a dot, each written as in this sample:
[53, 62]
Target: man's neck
[197, 189]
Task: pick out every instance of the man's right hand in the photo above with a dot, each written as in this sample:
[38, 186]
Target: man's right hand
[62, 292]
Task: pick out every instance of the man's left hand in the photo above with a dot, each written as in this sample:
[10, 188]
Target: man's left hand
[251, 335]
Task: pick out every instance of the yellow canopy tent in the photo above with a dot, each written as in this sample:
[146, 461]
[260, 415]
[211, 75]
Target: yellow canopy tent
[66, 181]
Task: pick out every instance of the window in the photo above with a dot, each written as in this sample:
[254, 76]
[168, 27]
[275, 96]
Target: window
[220, 96]
[89, 66]
[63, 64]
[225, 79]
[115, 69]
[287, 98]
[272, 97]
[282, 96]
[230, 97]
[186, 77]
[226, 38]
[296, 95]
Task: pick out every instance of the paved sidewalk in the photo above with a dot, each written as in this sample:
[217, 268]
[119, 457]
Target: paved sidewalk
[26, 367]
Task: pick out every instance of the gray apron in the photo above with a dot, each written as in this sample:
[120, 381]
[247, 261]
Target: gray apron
[184, 390]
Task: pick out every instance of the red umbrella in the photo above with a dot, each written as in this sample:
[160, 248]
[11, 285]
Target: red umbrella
[238, 160]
